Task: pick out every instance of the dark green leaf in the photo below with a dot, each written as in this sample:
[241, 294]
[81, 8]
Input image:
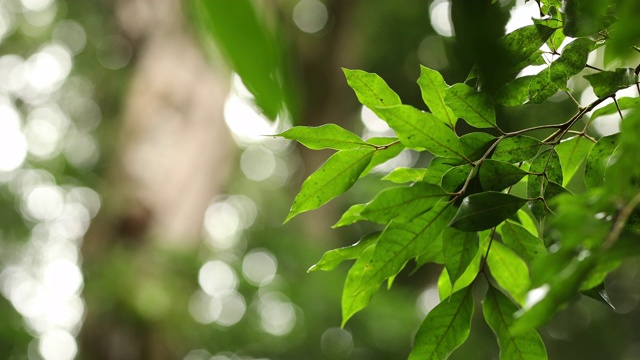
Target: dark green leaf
[572, 61]
[584, 17]
[509, 271]
[402, 203]
[333, 178]
[421, 130]
[497, 175]
[331, 259]
[453, 179]
[599, 293]
[520, 44]
[517, 149]
[515, 92]
[572, 153]
[433, 88]
[372, 91]
[499, 313]
[606, 83]
[474, 107]
[459, 248]
[437, 168]
[329, 136]
[485, 210]
[528, 246]
[599, 159]
[475, 144]
[445, 328]
[546, 162]
[541, 87]
[625, 103]
[404, 175]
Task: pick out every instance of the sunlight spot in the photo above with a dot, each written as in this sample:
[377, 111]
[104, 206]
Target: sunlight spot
[259, 267]
[72, 34]
[535, 296]
[58, 345]
[44, 202]
[440, 13]
[257, 163]
[277, 314]
[521, 15]
[13, 145]
[47, 68]
[336, 343]
[310, 15]
[12, 73]
[217, 278]
[81, 150]
[374, 126]
[428, 300]
[432, 53]
[63, 278]
[233, 309]
[407, 158]
[36, 5]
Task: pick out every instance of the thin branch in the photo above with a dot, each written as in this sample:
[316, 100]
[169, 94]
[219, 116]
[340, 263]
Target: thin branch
[621, 220]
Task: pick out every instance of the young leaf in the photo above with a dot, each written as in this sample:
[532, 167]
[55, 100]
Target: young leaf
[459, 248]
[445, 328]
[421, 130]
[509, 271]
[350, 216]
[541, 87]
[333, 178]
[528, 246]
[599, 159]
[329, 136]
[515, 92]
[498, 312]
[433, 88]
[470, 273]
[474, 107]
[516, 149]
[475, 144]
[331, 259]
[402, 203]
[572, 153]
[606, 83]
[403, 175]
[498, 175]
[485, 210]
[372, 91]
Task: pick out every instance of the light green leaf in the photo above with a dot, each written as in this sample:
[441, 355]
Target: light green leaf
[625, 103]
[527, 222]
[515, 92]
[606, 83]
[516, 149]
[331, 259]
[403, 175]
[388, 148]
[398, 243]
[499, 313]
[541, 87]
[372, 91]
[509, 271]
[528, 246]
[358, 271]
[474, 107]
[432, 255]
[445, 328]
[433, 87]
[572, 153]
[471, 272]
[438, 166]
[329, 136]
[350, 216]
[599, 159]
[476, 144]
[333, 178]
[498, 175]
[421, 130]
[485, 210]
[459, 248]
[402, 203]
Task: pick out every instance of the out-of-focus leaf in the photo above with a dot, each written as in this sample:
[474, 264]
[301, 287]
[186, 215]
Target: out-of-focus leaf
[599, 293]
[509, 271]
[433, 87]
[329, 136]
[528, 246]
[402, 203]
[445, 328]
[515, 92]
[403, 175]
[572, 153]
[444, 283]
[485, 210]
[517, 149]
[333, 178]
[475, 144]
[518, 45]
[541, 87]
[624, 103]
[331, 259]
[372, 91]
[606, 83]
[499, 313]
[421, 130]
[584, 17]
[459, 249]
[498, 175]
[474, 107]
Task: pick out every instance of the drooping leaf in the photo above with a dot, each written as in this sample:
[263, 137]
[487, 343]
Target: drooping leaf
[572, 153]
[599, 159]
[572, 61]
[445, 328]
[433, 87]
[509, 271]
[350, 216]
[402, 203]
[331, 259]
[474, 107]
[606, 83]
[333, 178]
[403, 175]
[541, 87]
[459, 248]
[528, 246]
[485, 210]
[372, 91]
[421, 130]
[515, 92]
[498, 175]
[470, 273]
[329, 136]
[499, 313]
[475, 144]
[388, 148]
[517, 149]
[398, 243]
[624, 103]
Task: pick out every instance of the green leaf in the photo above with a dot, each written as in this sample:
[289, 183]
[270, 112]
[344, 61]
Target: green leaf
[599, 293]
[541, 87]
[333, 178]
[572, 153]
[606, 83]
[402, 203]
[519, 45]
[331, 259]
[445, 328]
[388, 148]
[485, 210]
[459, 249]
[515, 92]
[474, 107]
[599, 159]
[527, 222]
[547, 162]
[433, 87]
[517, 149]
[372, 91]
[437, 168]
[572, 61]
[498, 175]
[360, 268]
[404, 175]
[528, 246]
[453, 179]
[625, 103]
[584, 18]
[509, 271]
[470, 273]
[475, 144]
[329, 136]
[498, 312]
[350, 216]
[398, 243]
[421, 130]
[432, 255]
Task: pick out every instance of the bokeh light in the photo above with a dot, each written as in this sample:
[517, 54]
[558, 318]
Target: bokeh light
[310, 16]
